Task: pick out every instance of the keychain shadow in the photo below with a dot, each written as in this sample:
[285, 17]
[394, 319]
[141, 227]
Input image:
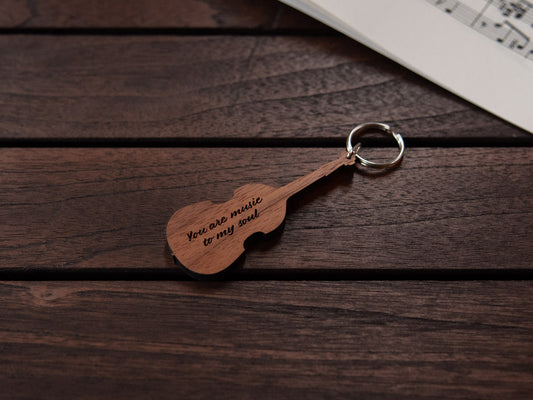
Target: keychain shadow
[343, 177]
[340, 178]
[372, 173]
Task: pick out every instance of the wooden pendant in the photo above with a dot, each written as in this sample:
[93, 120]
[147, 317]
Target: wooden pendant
[207, 237]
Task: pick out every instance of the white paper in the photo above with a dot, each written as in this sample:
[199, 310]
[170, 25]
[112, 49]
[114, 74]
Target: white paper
[482, 50]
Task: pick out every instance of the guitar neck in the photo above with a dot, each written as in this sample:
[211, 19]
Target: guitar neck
[301, 183]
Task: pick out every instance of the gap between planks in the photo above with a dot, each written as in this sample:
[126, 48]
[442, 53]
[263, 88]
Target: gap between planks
[171, 31]
[310, 142]
[289, 275]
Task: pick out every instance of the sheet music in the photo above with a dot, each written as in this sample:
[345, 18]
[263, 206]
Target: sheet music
[481, 50]
[509, 23]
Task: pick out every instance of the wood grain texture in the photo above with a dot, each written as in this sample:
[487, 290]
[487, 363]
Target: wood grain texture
[140, 14]
[372, 340]
[219, 87]
[80, 209]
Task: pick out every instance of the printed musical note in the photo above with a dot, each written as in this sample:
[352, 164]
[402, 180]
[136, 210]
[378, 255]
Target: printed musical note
[507, 22]
[521, 10]
[512, 37]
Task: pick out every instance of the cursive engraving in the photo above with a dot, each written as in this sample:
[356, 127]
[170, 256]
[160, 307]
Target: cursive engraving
[251, 204]
[249, 218]
[194, 235]
[219, 222]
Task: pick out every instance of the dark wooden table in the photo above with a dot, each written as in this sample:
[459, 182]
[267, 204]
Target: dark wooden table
[414, 284]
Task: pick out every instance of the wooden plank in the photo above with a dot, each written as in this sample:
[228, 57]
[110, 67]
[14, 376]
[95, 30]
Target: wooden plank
[97, 208]
[372, 340]
[219, 87]
[139, 14]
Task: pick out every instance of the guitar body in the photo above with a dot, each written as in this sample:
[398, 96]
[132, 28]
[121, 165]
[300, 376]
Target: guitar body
[208, 237]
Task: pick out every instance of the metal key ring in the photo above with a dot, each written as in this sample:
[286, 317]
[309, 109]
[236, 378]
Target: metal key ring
[359, 130]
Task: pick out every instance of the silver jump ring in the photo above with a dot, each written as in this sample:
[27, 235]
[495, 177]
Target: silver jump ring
[359, 130]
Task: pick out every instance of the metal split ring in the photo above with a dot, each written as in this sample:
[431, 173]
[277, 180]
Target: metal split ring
[359, 130]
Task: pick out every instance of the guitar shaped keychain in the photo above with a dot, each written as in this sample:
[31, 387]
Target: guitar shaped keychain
[206, 238]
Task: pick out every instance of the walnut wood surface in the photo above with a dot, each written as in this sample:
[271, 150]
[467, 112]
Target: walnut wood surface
[142, 14]
[87, 209]
[371, 340]
[219, 87]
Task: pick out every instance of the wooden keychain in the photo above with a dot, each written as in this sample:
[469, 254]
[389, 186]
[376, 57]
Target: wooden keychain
[206, 238]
